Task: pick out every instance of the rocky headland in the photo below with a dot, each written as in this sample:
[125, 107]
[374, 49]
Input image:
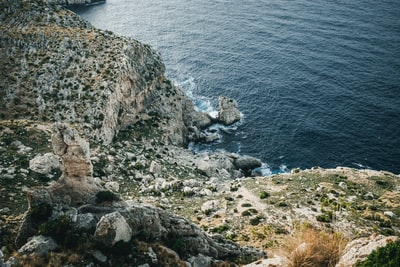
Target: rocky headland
[94, 169]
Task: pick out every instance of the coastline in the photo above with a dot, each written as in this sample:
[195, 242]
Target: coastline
[138, 125]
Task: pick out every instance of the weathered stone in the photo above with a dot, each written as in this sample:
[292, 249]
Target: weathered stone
[359, 249]
[112, 228]
[76, 185]
[85, 221]
[228, 111]
[73, 151]
[155, 168]
[39, 246]
[210, 206]
[200, 261]
[112, 186]
[247, 163]
[99, 256]
[44, 164]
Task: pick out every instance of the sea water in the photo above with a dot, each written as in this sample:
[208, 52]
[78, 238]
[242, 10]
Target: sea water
[317, 81]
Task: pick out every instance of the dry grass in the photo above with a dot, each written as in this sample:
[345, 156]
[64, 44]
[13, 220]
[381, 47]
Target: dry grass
[312, 248]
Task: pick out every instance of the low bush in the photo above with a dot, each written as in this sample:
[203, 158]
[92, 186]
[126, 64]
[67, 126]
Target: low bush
[105, 196]
[387, 256]
[264, 195]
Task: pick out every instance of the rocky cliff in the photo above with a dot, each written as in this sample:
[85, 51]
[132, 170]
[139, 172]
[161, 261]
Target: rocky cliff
[57, 67]
[153, 192]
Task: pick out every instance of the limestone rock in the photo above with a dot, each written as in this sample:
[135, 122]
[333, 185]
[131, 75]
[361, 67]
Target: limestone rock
[99, 256]
[112, 186]
[44, 164]
[228, 111]
[270, 262]
[359, 249]
[200, 261]
[247, 163]
[129, 84]
[85, 221]
[155, 168]
[73, 151]
[112, 228]
[210, 206]
[215, 165]
[38, 245]
[76, 185]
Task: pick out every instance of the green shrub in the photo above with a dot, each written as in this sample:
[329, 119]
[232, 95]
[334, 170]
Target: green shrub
[220, 229]
[325, 217]
[264, 195]
[388, 256]
[61, 230]
[256, 220]
[40, 212]
[246, 213]
[282, 204]
[105, 196]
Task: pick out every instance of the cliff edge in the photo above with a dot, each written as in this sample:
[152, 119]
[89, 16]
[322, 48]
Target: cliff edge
[56, 67]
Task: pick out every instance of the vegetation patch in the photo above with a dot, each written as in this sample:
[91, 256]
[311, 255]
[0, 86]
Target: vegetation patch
[106, 196]
[387, 256]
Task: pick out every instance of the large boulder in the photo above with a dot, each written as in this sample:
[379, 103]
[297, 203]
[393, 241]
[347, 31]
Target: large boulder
[112, 228]
[228, 111]
[45, 163]
[247, 163]
[39, 246]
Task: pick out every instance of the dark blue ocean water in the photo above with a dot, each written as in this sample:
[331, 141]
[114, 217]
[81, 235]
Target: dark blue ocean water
[317, 81]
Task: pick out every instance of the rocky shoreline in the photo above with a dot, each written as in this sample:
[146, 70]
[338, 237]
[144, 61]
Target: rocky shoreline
[139, 191]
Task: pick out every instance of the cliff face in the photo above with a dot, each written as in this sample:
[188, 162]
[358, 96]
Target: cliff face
[56, 67]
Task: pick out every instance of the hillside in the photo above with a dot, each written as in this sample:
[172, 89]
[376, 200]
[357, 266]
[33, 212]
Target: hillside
[55, 67]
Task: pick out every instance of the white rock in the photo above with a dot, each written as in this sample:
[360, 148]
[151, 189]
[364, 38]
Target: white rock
[343, 185]
[112, 228]
[38, 245]
[44, 164]
[210, 206]
[112, 186]
[155, 168]
[228, 111]
[390, 214]
[152, 255]
[99, 256]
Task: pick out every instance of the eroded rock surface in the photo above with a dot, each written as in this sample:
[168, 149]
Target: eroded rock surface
[228, 110]
[74, 196]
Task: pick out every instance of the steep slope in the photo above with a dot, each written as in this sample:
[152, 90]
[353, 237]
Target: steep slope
[55, 66]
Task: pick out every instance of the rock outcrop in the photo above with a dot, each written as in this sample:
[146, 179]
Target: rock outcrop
[38, 245]
[78, 202]
[76, 185]
[55, 66]
[228, 110]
